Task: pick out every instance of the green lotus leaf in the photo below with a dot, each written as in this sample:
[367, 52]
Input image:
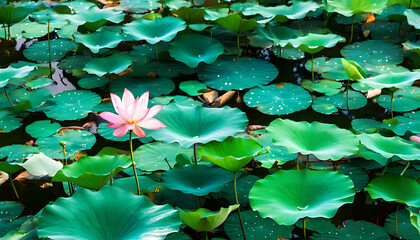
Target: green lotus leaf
[191, 15]
[107, 132]
[158, 156]
[190, 125]
[39, 51]
[178, 236]
[353, 70]
[160, 29]
[75, 64]
[138, 6]
[90, 82]
[10, 210]
[194, 48]
[325, 141]
[405, 99]
[117, 213]
[244, 182]
[413, 17]
[277, 154]
[362, 124]
[71, 105]
[148, 51]
[331, 104]
[34, 97]
[392, 80]
[15, 13]
[350, 7]
[415, 217]
[101, 66]
[390, 146]
[313, 42]
[232, 73]
[98, 40]
[167, 69]
[41, 165]
[177, 198]
[43, 128]
[93, 172]
[302, 193]
[412, 46]
[73, 140]
[278, 99]
[256, 227]
[204, 220]
[9, 121]
[176, 4]
[198, 180]
[129, 184]
[278, 34]
[192, 87]
[288, 52]
[235, 23]
[232, 154]
[357, 175]
[39, 83]
[395, 188]
[404, 228]
[14, 155]
[320, 225]
[354, 230]
[14, 229]
[327, 87]
[330, 68]
[403, 125]
[373, 52]
[297, 9]
[95, 15]
[155, 86]
[10, 72]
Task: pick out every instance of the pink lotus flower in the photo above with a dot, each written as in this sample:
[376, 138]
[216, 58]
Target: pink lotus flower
[133, 114]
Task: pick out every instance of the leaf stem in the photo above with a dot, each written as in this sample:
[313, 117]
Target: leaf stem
[405, 169]
[392, 103]
[49, 48]
[313, 74]
[307, 161]
[237, 202]
[347, 97]
[133, 163]
[237, 41]
[195, 153]
[13, 186]
[352, 26]
[7, 95]
[304, 228]
[157, 59]
[386, 166]
[5, 32]
[396, 221]
[9, 33]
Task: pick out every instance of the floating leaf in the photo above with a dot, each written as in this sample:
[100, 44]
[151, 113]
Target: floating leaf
[392, 80]
[198, 180]
[232, 73]
[278, 34]
[17, 12]
[17, 152]
[138, 6]
[390, 146]
[58, 47]
[277, 99]
[404, 228]
[194, 48]
[395, 188]
[190, 125]
[98, 40]
[313, 42]
[91, 82]
[330, 68]
[331, 104]
[43, 128]
[155, 86]
[93, 172]
[73, 140]
[41, 165]
[192, 87]
[204, 220]
[405, 99]
[157, 156]
[350, 7]
[129, 184]
[327, 87]
[354, 230]
[160, 29]
[235, 23]
[11, 72]
[325, 141]
[8, 121]
[101, 66]
[232, 154]
[413, 17]
[302, 193]
[110, 206]
[39, 83]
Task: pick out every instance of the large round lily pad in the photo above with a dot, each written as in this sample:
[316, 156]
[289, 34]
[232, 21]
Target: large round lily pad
[159, 29]
[58, 47]
[232, 154]
[190, 125]
[158, 156]
[106, 214]
[255, 226]
[195, 48]
[302, 193]
[155, 86]
[98, 40]
[405, 229]
[232, 73]
[43, 128]
[331, 104]
[205, 220]
[390, 146]
[73, 140]
[395, 188]
[9, 121]
[93, 172]
[198, 180]
[102, 66]
[350, 7]
[354, 230]
[405, 99]
[278, 99]
[313, 42]
[325, 141]
[71, 105]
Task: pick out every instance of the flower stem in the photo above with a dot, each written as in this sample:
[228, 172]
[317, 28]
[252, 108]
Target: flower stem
[49, 48]
[396, 221]
[313, 74]
[347, 97]
[352, 24]
[237, 202]
[392, 103]
[386, 166]
[9, 33]
[304, 228]
[405, 169]
[133, 163]
[13, 186]
[7, 95]
[195, 153]
[70, 185]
